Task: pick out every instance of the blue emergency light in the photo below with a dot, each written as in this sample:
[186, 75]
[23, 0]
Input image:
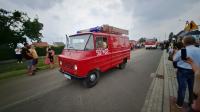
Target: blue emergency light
[96, 29]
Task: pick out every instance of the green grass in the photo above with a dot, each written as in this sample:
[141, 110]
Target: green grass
[14, 69]
[12, 74]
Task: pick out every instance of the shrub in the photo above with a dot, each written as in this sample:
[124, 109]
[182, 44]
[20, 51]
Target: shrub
[6, 53]
[41, 51]
[58, 50]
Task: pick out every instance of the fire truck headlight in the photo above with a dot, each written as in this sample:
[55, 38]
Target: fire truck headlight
[75, 67]
[60, 62]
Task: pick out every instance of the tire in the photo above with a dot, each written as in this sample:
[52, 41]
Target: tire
[91, 79]
[122, 65]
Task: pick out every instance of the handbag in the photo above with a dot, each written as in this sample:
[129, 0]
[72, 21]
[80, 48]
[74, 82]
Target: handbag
[47, 61]
[196, 104]
[174, 64]
[170, 57]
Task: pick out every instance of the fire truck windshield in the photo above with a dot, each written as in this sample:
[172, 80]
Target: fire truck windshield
[78, 42]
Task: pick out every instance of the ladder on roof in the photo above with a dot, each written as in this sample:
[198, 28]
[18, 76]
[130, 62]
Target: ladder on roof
[106, 29]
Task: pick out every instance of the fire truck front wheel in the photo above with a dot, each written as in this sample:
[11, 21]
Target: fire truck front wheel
[123, 64]
[91, 79]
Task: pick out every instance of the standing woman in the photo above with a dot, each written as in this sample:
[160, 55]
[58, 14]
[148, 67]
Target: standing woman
[35, 57]
[196, 101]
[18, 54]
[50, 57]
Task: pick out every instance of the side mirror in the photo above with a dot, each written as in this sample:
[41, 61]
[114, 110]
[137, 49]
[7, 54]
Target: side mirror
[67, 40]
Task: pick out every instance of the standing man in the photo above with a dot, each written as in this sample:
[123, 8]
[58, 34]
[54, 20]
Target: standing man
[26, 52]
[185, 75]
[196, 100]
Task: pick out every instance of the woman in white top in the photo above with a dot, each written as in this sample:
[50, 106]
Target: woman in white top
[18, 54]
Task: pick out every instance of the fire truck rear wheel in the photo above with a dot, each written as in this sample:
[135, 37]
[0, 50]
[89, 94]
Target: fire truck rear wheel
[91, 79]
[122, 65]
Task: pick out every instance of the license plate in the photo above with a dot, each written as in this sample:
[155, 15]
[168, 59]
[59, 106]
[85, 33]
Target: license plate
[67, 76]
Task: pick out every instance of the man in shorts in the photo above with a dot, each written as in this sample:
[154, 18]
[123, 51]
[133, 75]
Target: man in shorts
[29, 58]
[35, 57]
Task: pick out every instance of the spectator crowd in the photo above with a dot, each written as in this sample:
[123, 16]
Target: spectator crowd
[30, 55]
[186, 59]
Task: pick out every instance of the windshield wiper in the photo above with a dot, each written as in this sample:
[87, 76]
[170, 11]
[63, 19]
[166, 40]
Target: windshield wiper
[71, 47]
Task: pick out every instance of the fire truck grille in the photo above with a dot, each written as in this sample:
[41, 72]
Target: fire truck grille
[68, 65]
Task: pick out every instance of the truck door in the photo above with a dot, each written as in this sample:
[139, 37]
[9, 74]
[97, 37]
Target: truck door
[103, 53]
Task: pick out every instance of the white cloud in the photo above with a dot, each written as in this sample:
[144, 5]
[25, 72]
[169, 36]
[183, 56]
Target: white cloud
[142, 18]
[155, 18]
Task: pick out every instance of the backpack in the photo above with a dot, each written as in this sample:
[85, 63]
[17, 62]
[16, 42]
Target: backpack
[170, 57]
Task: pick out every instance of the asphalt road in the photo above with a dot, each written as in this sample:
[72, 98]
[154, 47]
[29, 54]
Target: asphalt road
[117, 91]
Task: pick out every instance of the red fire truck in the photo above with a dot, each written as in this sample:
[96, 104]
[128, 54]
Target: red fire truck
[151, 43]
[92, 51]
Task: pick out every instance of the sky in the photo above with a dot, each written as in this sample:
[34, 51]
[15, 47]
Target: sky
[143, 18]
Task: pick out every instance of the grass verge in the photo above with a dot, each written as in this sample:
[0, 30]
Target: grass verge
[14, 69]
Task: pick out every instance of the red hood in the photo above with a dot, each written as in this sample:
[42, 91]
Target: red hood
[76, 54]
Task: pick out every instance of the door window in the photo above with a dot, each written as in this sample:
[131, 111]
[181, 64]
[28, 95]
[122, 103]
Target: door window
[101, 42]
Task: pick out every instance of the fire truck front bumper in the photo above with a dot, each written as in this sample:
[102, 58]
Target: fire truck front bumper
[70, 76]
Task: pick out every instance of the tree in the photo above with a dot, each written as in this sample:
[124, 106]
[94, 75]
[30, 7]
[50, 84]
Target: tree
[141, 40]
[10, 30]
[14, 28]
[32, 29]
[171, 35]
